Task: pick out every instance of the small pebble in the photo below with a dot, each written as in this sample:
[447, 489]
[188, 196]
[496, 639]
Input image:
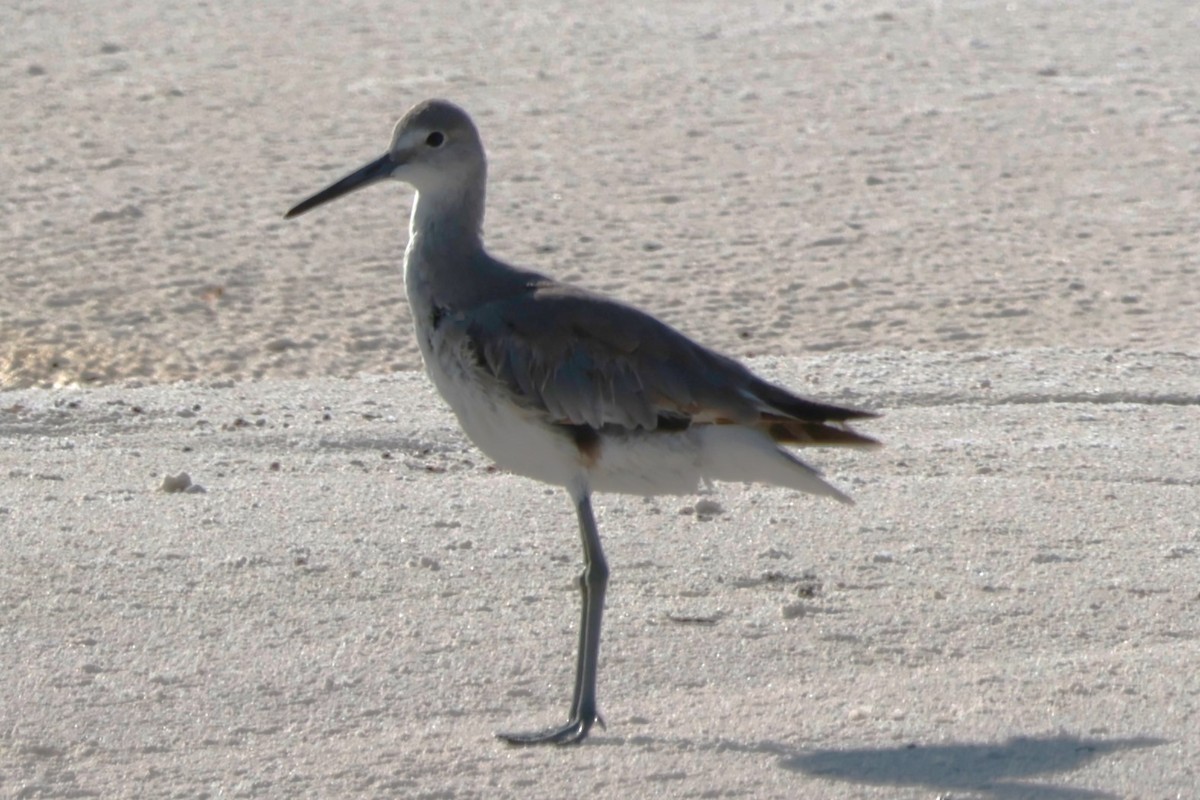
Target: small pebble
[793, 610]
[176, 483]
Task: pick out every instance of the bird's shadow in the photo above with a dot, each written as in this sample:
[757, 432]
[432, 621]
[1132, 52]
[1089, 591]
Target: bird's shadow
[999, 771]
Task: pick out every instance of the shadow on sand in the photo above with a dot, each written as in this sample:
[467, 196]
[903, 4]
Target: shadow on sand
[1004, 771]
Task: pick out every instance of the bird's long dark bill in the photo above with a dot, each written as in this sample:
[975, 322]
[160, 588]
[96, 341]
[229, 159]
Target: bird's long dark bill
[374, 172]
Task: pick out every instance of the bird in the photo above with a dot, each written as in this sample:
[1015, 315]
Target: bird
[570, 387]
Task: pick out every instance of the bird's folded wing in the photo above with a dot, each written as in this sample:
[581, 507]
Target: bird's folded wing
[582, 359]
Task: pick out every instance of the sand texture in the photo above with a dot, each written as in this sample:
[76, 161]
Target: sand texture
[774, 182]
[350, 600]
[248, 552]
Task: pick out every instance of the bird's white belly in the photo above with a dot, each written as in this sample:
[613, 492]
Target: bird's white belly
[515, 438]
[649, 463]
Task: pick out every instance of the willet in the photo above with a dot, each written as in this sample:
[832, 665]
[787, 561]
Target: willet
[569, 387]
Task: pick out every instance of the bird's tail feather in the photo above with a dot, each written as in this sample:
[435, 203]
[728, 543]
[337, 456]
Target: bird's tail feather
[737, 454]
[803, 432]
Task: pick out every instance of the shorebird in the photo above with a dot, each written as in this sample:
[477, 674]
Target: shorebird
[569, 387]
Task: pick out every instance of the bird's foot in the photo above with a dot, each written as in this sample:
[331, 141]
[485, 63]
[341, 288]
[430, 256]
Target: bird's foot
[574, 732]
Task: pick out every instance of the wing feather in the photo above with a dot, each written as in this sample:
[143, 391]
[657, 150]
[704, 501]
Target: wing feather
[620, 367]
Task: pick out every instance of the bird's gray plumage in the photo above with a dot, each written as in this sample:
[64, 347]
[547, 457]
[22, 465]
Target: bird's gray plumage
[569, 387]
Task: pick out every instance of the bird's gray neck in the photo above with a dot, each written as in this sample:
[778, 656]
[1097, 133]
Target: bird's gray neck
[447, 223]
[445, 265]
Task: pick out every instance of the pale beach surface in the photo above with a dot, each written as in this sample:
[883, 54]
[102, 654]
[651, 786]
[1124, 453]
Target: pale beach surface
[979, 219]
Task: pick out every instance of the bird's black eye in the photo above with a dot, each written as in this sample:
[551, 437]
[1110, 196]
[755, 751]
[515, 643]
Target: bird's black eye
[435, 139]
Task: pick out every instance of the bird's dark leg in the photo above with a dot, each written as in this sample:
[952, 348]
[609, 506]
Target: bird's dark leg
[593, 582]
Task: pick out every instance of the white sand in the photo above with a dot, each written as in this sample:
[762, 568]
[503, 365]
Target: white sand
[980, 219]
[774, 182]
[1009, 611]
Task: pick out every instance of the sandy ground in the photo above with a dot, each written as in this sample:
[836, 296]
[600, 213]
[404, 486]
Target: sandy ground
[356, 600]
[979, 218]
[974, 176]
